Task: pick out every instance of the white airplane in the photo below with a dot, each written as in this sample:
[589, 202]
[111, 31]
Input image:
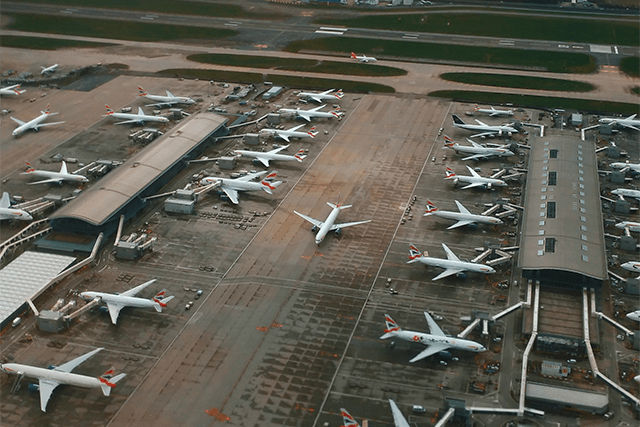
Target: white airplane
[47, 70]
[323, 228]
[11, 90]
[452, 264]
[398, 419]
[327, 95]
[49, 379]
[116, 302]
[631, 225]
[436, 340]
[231, 187]
[485, 129]
[627, 192]
[626, 166]
[475, 180]
[493, 112]
[166, 101]
[139, 118]
[309, 114]
[6, 212]
[633, 266]
[34, 124]
[634, 315]
[630, 122]
[478, 151]
[363, 58]
[54, 177]
[274, 154]
[464, 217]
[290, 133]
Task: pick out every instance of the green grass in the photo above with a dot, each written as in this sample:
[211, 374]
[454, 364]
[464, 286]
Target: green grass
[293, 64]
[579, 30]
[630, 66]
[281, 80]
[113, 29]
[43, 43]
[533, 101]
[556, 62]
[636, 90]
[519, 82]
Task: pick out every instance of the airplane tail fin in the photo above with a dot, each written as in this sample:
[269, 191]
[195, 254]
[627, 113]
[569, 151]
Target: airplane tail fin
[431, 208]
[46, 111]
[338, 205]
[353, 55]
[448, 142]
[269, 186]
[159, 302]
[414, 254]
[29, 168]
[312, 132]
[142, 92]
[108, 381]
[109, 110]
[477, 108]
[391, 329]
[300, 156]
[457, 120]
[347, 419]
[339, 94]
[450, 173]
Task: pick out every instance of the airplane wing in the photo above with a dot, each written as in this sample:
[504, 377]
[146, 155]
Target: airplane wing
[311, 220]
[473, 172]
[475, 144]
[348, 224]
[46, 387]
[461, 208]
[461, 223]
[434, 329]
[231, 194]
[128, 121]
[47, 181]
[472, 185]
[304, 115]
[295, 128]
[477, 157]
[398, 419]
[491, 133]
[450, 255]
[49, 124]
[169, 94]
[430, 351]
[5, 202]
[327, 92]
[263, 160]
[72, 364]
[448, 272]
[134, 291]
[283, 136]
[18, 121]
[482, 124]
[621, 124]
[279, 149]
[315, 98]
[250, 176]
[161, 104]
[318, 108]
[114, 311]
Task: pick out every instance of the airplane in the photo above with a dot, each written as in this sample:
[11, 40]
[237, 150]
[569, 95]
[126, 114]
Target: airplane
[486, 130]
[46, 70]
[436, 340]
[627, 192]
[274, 154]
[631, 225]
[493, 112]
[6, 212]
[231, 187]
[290, 133]
[363, 58]
[309, 114]
[116, 302]
[139, 118]
[323, 228]
[464, 217]
[11, 90]
[34, 124]
[327, 95]
[398, 419]
[475, 180]
[478, 151]
[635, 315]
[165, 101]
[452, 264]
[633, 266]
[49, 379]
[54, 177]
[626, 166]
[630, 122]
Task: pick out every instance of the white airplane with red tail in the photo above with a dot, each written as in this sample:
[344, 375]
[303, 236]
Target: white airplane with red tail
[363, 58]
[274, 154]
[464, 217]
[323, 228]
[54, 177]
[327, 95]
[475, 180]
[290, 133]
[34, 124]
[310, 114]
[11, 90]
[231, 187]
[452, 265]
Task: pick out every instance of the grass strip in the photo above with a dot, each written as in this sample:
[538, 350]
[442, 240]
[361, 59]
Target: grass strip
[43, 43]
[555, 62]
[294, 64]
[109, 29]
[503, 25]
[636, 90]
[518, 82]
[630, 65]
[533, 101]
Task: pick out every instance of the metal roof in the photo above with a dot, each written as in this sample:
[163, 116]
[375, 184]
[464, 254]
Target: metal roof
[99, 202]
[568, 396]
[562, 181]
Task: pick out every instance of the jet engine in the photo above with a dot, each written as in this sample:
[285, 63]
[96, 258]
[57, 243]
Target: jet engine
[337, 232]
[315, 229]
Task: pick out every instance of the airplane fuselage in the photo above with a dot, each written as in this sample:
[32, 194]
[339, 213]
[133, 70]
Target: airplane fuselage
[635, 315]
[58, 175]
[319, 97]
[119, 299]
[326, 226]
[627, 192]
[621, 121]
[273, 156]
[285, 133]
[137, 117]
[494, 112]
[32, 124]
[15, 214]
[490, 182]
[233, 184]
[68, 378]
[450, 342]
[459, 216]
[631, 225]
[632, 166]
[311, 114]
[633, 266]
[487, 151]
[449, 264]
[170, 99]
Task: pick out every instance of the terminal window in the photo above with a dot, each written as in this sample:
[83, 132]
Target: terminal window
[553, 178]
[551, 210]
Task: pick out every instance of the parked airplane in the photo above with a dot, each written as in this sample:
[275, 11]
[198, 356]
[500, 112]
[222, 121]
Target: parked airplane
[116, 302]
[7, 212]
[347, 419]
[139, 118]
[626, 166]
[274, 154]
[323, 228]
[627, 192]
[630, 122]
[436, 340]
[49, 379]
[47, 70]
[54, 177]
[493, 112]
[633, 266]
[290, 133]
[475, 180]
[464, 217]
[327, 95]
[165, 101]
[11, 90]
[310, 114]
[631, 225]
[485, 129]
[478, 151]
[231, 187]
[634, 315]
[398, 419]
[452, 264]
[34, 124]
[363, 58]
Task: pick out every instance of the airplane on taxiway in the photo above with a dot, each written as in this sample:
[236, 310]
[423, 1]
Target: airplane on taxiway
[231, 187]
[485, 129]
[49, 379]
[363, 58]
[165, 101]
[274, 154]
[631, 225]
[464, 217]
[54, 177]
[626, 166]
[116, 302]
[327, 95]
[310, 114]
[48, 70]
[139, 118]
[436, 340]
[290, 133]
[7, 212]
[627, 192]
[11, 90]
[452, 265]
[475, 180]
[630, 122]
[493, 112]
[477, 151]
[34, 124]
[323, 228]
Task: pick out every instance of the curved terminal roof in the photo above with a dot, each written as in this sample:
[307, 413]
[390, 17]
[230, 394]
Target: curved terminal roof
[562, 233]
[106, 197]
